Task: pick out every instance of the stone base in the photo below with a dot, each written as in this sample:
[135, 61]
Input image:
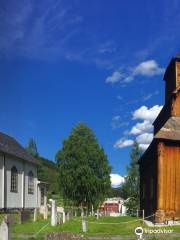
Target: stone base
[160, 216]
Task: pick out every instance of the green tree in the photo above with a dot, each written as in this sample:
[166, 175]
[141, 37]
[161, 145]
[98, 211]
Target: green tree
[119, 192]
[32, 148]
[84, 171]
[131, 186]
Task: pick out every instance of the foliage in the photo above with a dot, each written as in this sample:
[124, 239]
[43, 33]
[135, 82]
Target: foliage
[131, 185]
[119, 192]
[48, 172]
[32, 148]
[84, 171]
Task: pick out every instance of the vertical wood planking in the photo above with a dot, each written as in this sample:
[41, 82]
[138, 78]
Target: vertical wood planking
[160, 190]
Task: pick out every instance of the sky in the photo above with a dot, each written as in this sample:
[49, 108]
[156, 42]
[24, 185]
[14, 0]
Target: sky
[98, 62]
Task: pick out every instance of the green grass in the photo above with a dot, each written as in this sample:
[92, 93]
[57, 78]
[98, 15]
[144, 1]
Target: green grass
[1, 217]
[101, 227]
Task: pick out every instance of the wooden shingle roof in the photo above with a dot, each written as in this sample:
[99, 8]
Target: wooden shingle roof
[170, 130]
[10, 146]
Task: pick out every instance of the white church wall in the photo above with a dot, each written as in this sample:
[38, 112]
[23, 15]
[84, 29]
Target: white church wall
[30, 199]
[1, 180]
[39, 196]
[13, 199]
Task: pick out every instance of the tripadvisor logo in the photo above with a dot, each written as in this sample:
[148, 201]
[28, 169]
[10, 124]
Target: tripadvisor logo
[139, 231]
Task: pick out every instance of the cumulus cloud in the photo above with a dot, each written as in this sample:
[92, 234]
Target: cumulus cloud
[145, 126]
[142, 130]
[144, 138]
[116, 180]
[147, 68]
[144, 113]
[143, 146]
[121, 143]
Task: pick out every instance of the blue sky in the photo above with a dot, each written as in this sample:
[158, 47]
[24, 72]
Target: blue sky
[100, 62]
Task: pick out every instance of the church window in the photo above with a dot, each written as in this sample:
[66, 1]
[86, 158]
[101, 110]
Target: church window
[30, 183]
[14, 179]
[42, 196]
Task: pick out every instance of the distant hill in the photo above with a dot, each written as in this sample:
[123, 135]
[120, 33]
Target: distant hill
[48, 172]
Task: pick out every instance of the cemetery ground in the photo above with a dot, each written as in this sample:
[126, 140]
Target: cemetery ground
[104, 227]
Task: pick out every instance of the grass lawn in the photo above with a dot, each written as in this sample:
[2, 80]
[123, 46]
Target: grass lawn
[1, 217]
[123, 226]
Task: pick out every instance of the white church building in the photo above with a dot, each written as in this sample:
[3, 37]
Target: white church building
[19, 186]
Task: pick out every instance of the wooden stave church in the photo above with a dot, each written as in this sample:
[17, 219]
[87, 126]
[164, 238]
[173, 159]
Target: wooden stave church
[160, 164]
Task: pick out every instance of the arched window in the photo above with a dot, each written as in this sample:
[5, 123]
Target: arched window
[30, 182]
[14, 179]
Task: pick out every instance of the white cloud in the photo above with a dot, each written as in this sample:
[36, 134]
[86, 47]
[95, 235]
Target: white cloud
[147, 114]
[121, 143]
[144, 138]
[147, 68]
[139, 128]
[116, 180]
[143, 146]
[115, 77]
[142, 130]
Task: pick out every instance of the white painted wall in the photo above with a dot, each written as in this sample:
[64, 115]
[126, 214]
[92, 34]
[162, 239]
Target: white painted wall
[13, 200]
[30, 199]
[21, 198]
[1, 181]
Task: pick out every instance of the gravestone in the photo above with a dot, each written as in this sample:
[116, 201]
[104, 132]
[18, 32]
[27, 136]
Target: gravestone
[53, 214]
[4, 231]
[62, 212]
[35, 215]
[84, 225]
[45, 212]
[67, 216]
[64, 217]
[97, 214]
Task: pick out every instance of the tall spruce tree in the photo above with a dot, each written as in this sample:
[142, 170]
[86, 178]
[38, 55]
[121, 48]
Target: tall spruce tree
[131, 185]
[84, 171]
[32, 148]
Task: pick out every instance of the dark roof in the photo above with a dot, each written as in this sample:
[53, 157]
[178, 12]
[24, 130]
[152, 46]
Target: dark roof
[10, 146]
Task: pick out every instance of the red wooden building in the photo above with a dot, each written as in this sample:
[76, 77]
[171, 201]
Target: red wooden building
[113, 206]
[160, 164]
